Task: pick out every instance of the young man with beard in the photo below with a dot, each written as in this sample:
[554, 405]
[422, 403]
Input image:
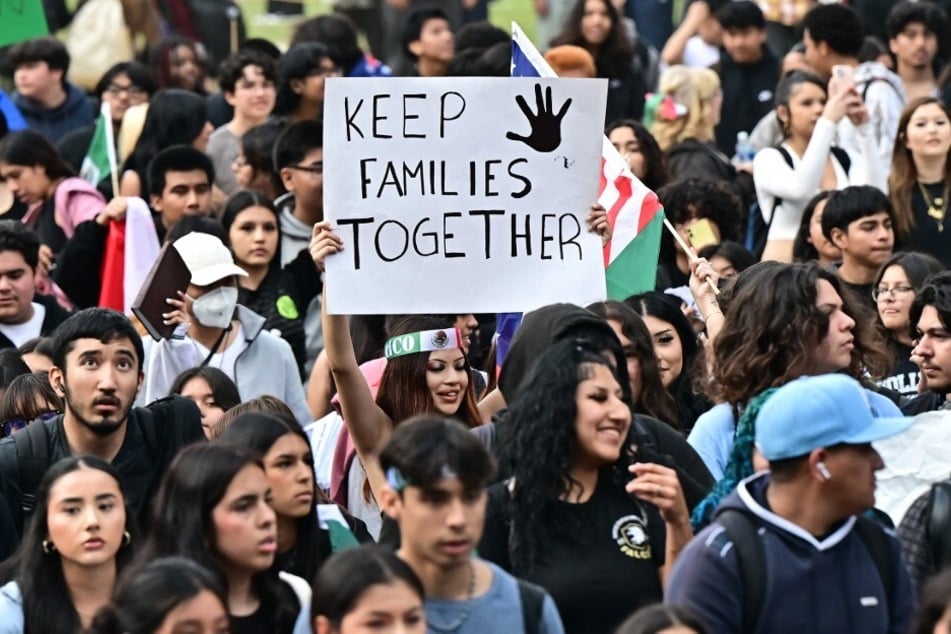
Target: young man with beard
[858, 220]
[926, 522]
[436, 473]
[97, 369]
[931, 330]
[914, 29]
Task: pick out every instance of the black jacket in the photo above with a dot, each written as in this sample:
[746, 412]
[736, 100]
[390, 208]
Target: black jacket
[79, 264]
[153, 436]
[747, 96]
[695, 159]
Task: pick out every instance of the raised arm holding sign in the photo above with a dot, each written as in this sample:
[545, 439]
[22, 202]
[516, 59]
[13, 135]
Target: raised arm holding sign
[431, 182]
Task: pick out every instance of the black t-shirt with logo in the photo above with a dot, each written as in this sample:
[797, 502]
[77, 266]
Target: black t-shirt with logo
[598, 572]
[904, 375]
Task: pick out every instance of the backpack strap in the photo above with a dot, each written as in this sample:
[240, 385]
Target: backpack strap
[533, 602]
[758, 244]
[842, 157]
[937, 521]
[743, 533]
[872, 80]
[876, 541]
[33, 458]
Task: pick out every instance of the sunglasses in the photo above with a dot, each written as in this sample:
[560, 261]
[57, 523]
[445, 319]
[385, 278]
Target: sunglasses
[16, 424]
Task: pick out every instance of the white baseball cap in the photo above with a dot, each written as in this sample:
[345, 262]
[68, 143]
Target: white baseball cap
[207, 258]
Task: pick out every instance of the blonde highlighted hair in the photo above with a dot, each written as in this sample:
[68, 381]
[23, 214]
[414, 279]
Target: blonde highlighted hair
[695, 89]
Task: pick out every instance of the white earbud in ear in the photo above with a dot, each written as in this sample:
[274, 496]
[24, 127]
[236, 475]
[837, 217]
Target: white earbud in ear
[824, 470]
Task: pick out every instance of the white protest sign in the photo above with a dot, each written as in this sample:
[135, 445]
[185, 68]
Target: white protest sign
[462, 195]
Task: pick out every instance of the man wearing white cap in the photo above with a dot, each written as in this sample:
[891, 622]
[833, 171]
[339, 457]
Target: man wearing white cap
[788, 551]
[220, 333]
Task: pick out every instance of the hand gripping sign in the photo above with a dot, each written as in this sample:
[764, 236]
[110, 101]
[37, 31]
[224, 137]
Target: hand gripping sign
[462, 194]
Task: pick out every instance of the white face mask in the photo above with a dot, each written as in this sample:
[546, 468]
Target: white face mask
[216, 308]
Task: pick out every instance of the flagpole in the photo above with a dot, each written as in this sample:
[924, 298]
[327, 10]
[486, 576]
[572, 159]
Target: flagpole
[688, 250]
[106, 111]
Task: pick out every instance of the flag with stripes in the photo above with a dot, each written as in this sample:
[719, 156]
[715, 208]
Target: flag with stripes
[634, 212]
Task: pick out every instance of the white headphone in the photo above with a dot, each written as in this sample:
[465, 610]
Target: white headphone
[823, 470]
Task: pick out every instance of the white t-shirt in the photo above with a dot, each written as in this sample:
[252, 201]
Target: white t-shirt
[30, 329]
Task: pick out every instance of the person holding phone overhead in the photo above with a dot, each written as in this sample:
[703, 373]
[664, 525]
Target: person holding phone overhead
[703, 212]
[806, 162]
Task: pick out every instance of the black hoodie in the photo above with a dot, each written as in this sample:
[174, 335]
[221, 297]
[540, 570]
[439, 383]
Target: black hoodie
[657, 441]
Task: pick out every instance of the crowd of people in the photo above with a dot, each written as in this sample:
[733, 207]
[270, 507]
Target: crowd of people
[698, 457]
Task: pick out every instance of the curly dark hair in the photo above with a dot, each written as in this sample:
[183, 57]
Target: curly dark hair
[615, 56]
[773, 326]
[537, 443]
[694, 198]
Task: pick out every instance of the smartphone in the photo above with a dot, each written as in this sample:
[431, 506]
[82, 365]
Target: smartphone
[701, 233]
[842, 74]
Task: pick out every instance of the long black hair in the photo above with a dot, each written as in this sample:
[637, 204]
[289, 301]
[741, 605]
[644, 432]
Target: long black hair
[538, 442]
[182, 523]
[615, 57]
[144, 599]
[654, 400]
[47, 603]
[175, 117]
[667, 308]
[242, 200]
[259, 432]
[30, 149]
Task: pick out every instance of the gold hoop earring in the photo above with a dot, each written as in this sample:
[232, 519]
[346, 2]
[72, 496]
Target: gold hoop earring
[48, 547]
[786, 128]
[126, 538]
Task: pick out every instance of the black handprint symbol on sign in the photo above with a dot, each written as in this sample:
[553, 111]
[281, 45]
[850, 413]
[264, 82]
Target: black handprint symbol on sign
[546, 126]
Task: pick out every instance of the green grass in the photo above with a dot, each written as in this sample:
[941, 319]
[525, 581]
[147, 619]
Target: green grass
[501, 13]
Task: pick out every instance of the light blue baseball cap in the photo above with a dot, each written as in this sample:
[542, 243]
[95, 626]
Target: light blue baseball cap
[822, 411]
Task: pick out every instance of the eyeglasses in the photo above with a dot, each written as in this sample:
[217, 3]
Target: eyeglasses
[16, 424]
[315, 168]
[879, 293]
[134, 92]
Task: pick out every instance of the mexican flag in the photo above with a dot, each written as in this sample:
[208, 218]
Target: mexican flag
[100, 161]
[634, 212]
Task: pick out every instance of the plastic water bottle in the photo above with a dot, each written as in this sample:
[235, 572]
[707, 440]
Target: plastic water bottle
[744, 150]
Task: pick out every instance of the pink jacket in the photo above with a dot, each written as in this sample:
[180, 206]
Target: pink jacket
[76, 201]
[345, 451]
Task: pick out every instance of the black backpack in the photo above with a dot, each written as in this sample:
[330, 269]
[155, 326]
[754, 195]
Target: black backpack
[742, 530]
[757, 228]
[937, 523]
[32, 444]
[533, 602]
